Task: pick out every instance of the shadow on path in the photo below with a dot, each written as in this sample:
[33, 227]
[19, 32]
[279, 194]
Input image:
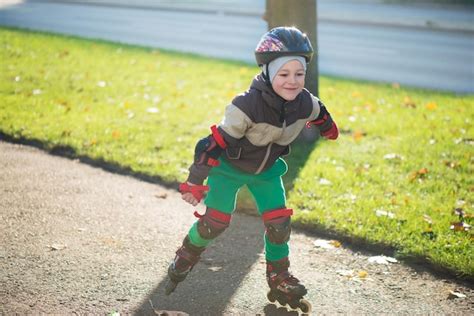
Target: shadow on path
[208, 292]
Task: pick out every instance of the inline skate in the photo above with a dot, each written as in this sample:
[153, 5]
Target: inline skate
[186, 257]
[286, 290]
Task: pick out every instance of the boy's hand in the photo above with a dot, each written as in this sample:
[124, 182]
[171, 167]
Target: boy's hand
[192, 193]
[327, 127]
[188, 197]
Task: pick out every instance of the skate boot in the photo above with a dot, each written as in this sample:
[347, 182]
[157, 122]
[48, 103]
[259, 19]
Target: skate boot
[286, 290]
[186, 257]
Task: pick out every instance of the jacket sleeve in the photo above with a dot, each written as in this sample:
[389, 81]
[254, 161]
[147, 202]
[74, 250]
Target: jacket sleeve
[235, 124]
[323, 120]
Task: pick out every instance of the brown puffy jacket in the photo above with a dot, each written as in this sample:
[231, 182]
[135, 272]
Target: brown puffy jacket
[258, 127]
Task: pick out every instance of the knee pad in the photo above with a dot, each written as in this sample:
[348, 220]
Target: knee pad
[278, 225]
[213, 223]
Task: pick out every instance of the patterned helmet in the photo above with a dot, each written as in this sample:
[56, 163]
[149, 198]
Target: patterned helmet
[283, 41]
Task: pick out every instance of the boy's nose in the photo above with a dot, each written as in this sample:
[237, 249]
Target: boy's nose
[292, 79]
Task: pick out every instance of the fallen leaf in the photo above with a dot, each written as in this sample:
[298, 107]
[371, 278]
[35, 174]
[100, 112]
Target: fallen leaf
[215, 269]
[423, 171]
[427, 219]
[392, 156]
[451, 164]
[327, 244]
[153, 110]
[382, 260]
[346, 273]
[55, 247]
[161, 195]
[358, 135]
[323, 181]
[459, 212]
[408, 102]
[419, 174]
[454, 295]
[166, 313]
[460, 227]
[156, 99]
[380, 213]
[362, 274]
[431, 106]
[115, 134]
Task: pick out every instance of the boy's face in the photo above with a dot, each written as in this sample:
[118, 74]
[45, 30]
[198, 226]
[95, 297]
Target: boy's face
[289, 80]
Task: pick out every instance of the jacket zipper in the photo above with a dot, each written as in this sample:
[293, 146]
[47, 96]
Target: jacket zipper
[267, 154]
[265, 159]
[269, 148]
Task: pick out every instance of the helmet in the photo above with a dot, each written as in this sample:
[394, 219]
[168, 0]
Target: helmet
[283, 41]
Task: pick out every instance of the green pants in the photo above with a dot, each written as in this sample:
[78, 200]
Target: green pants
[267, 189]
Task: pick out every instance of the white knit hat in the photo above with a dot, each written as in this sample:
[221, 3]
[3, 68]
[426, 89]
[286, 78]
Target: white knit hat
[277, 63]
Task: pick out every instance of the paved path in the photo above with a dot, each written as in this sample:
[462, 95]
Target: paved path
[77, 239]
[412, 45]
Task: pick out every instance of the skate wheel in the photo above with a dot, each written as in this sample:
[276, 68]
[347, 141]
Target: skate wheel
[305, 306]
[271, 297]
[170, 287]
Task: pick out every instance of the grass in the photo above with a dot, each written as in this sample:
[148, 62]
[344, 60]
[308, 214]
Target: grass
[402, 164]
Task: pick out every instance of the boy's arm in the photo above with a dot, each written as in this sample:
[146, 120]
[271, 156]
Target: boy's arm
[206, 155]
[208, 150]
[324, 122]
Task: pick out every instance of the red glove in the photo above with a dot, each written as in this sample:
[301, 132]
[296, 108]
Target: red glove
[332, 133]
[327, 127]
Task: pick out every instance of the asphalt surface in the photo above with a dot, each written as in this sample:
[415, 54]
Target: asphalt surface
[78, 239]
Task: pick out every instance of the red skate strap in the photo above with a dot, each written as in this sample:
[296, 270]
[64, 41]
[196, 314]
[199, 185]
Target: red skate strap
[282, 277]
[215, 214]
[218, 137]
[283, 212]
[213, 162]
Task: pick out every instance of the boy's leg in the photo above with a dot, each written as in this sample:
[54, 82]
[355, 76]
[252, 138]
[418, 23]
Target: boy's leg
[269, 195]
[220, 202]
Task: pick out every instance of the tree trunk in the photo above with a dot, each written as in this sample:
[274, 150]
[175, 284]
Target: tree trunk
[301, 14]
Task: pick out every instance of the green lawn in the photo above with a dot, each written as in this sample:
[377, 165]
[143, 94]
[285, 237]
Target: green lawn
[401, 167]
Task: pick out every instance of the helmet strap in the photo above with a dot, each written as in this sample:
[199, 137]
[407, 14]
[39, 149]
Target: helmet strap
[265, 75]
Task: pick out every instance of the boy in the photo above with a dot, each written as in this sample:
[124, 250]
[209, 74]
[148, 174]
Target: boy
[246, 149]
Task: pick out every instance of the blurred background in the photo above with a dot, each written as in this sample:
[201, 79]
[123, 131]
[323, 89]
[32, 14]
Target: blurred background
[422, 43]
